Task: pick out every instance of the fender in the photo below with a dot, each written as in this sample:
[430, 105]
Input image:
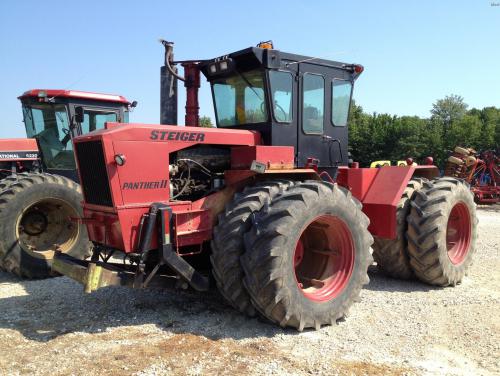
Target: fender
[379, 190]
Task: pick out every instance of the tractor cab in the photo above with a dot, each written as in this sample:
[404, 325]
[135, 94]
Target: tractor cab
[54, 117]
[292, 100]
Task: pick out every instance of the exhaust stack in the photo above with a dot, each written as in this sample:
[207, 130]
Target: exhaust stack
[168, 88]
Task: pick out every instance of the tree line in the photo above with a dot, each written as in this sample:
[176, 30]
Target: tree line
[376, 136]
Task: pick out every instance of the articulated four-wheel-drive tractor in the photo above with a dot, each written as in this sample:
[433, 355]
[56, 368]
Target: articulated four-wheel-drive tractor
[266, 205]
[39, 193]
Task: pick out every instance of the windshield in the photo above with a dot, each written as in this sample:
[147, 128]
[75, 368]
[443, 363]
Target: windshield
[240, 99]
[49, 124]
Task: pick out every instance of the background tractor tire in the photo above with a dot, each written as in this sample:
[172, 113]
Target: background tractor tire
[227, 244]
[307, 255]
[391, 255]
[35, 211]
[7, 181]
[442, 231]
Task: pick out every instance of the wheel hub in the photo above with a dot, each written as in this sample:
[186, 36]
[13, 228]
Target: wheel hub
[324, 258]
[34, 223]
[44, 226]
[458, 233]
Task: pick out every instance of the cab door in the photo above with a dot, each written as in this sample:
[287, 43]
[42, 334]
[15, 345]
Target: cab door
[311, 113]
[318, 136]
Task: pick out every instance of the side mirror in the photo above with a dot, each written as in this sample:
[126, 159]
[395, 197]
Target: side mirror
[79, 114]
[133, 104]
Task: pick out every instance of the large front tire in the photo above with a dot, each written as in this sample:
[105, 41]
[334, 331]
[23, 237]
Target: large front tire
[307, 256]
[36, 211]
[227, 244]
[442, 231]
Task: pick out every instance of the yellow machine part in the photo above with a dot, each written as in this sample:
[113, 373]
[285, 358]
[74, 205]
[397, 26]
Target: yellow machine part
[380, 164]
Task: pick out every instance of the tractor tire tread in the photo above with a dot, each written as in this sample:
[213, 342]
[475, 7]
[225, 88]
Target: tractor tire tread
[227, 243]
[426, 231]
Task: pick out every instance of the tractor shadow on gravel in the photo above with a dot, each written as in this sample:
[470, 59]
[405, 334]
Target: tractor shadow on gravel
[42, 310]
[380, 282]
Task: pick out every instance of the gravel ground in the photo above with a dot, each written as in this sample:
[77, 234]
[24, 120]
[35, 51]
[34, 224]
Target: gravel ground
[50, 327]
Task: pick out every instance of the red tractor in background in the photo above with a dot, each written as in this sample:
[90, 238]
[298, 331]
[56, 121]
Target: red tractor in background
[267, 202]
[39, 190]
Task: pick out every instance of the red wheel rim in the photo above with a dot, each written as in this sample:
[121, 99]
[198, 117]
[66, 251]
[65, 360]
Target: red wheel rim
[324, 258]
[458, 233]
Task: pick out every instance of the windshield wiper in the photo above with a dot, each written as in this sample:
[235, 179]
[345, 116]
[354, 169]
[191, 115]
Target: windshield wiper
[249, 84]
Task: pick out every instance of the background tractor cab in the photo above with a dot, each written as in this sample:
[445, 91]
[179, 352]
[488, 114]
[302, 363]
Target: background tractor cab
[292, 100]
[54, 117]
[38, 190]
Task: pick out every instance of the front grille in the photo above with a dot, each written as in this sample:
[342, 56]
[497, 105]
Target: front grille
[94, 179]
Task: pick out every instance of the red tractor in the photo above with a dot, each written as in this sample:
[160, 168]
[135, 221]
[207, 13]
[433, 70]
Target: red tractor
[38, 180]
[266, 203]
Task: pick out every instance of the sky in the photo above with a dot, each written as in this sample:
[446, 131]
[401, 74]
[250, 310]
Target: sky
[414, 52]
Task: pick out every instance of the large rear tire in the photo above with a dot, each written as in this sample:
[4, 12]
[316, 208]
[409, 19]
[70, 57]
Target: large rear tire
[35, 211]
[391, 255]
[227, 244]
[442, 231]
[307, 256]
[11, 179]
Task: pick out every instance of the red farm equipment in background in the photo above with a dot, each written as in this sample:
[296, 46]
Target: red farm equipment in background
[481, 170]
[267, 206]
[39, 190]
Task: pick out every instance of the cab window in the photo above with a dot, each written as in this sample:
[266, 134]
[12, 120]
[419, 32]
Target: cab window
[240, 99]
[49, 124]
[313, 103]
[94, 119]
[281, 91]
[341, 98]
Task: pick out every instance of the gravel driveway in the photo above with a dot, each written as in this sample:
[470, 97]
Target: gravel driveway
[50, 327]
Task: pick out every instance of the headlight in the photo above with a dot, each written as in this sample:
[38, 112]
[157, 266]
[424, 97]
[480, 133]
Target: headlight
[223, 65]
[120, 159]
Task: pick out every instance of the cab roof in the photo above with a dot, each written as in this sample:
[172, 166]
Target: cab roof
[51, 93]
[253, 57]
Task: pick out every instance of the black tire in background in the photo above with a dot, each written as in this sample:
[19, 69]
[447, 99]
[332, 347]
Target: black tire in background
[442, 231]
[35, 211]
[4, 184]
[391, 255]
[11, 179]
[227, 244]
[307, 255]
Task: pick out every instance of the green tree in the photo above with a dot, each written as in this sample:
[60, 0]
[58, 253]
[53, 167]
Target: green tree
[386, 137]
[449, 109]
[205, 122]
[465, 132]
